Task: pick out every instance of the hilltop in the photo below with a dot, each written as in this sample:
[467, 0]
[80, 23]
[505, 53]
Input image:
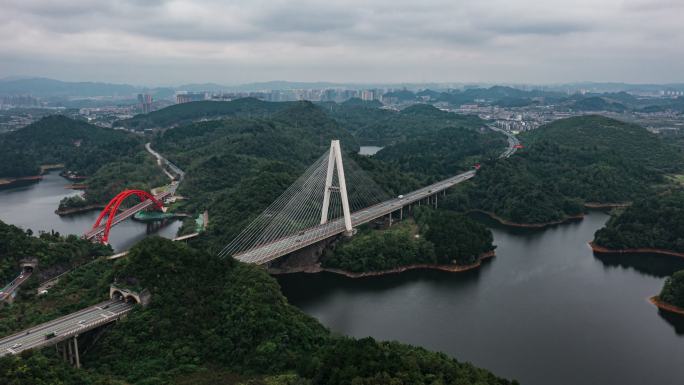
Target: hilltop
[56, 139]
[186, 113]
[568, 163]
[654, 223]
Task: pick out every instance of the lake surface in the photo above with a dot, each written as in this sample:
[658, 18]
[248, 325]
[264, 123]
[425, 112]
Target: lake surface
[33, 206]
[544, 311]
[369, 150]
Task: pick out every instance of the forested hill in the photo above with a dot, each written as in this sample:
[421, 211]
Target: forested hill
[374, 126]
[54, 253]
[236, 167]
[673, 290]
[568, 163]
[656, 222]
[186, 113]
[82, 147]
[212, 321]
[610, 140]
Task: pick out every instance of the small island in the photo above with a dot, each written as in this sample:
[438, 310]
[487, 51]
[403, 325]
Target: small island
[671, 297]
[432, 239]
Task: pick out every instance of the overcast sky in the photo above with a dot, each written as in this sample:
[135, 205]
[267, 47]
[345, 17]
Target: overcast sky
[157, 42]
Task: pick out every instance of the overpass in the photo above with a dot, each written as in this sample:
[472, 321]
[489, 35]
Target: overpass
[7, 293]
[292, 222]
[66, 329]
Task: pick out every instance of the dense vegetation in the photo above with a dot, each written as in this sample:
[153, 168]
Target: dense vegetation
[381, 127]
[218, 314]
[422, 143]
[139, 171]
[54, 253]
[673, 290]
[570, 162]
[205, 110]
[655, 222]
[237, 167]
[436, 237]
[81, 147]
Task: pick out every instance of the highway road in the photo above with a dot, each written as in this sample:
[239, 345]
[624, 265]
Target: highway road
[64, 327]
[161, 161]
[273, 250]
[9, 290]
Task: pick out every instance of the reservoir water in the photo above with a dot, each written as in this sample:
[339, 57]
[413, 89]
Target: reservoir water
[369, 150]
[544, 311]
[32, 207]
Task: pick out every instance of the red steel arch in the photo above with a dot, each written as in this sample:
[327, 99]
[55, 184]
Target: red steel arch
[112, 209]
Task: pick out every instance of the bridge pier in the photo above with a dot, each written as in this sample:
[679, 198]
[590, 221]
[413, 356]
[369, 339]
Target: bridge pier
[68, 349]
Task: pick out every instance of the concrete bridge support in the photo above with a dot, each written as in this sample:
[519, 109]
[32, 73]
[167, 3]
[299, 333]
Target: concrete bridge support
[68, 349]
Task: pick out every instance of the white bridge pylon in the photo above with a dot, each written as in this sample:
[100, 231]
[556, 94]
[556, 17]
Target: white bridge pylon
[335, 162]
[318, 205]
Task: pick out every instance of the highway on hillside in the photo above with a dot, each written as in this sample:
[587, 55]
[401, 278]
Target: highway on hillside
[9, 290]
[64, 327]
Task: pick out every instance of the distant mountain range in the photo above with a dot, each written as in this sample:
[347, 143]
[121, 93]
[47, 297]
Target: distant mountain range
[45, 87]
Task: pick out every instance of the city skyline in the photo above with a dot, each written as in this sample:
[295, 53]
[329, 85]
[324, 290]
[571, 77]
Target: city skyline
[173, 42]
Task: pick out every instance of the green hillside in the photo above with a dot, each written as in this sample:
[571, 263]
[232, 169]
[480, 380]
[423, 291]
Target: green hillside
[82, 147]
[570, 162]
[54, 253]
[673, 290]
[237, 167]
[373, 126]
[185, 113]
[655, 222]
[209, 316]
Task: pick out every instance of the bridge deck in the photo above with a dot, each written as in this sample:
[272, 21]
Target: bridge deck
[127, 214]
[64, 327]
[268, 252]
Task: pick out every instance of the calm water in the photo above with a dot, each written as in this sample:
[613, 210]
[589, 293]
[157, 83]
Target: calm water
[32, 207]
[544, 311]
[369, 150]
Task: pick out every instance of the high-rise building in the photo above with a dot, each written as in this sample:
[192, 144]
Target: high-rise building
[186, 97]
[145, 101]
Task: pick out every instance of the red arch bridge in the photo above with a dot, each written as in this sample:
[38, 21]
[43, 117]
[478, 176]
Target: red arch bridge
[101, 228]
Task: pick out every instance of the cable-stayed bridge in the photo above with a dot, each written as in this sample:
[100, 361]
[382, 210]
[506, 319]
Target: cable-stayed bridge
[330, 198]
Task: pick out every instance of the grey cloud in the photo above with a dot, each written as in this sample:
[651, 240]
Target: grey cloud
[541, 27]
[360, 39]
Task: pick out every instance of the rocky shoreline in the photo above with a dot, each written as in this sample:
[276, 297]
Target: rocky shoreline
[529, 225]
[596, 205]
[317, 268]
[12, 182]
[76, 210]
[644, 250]
[666, 306]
